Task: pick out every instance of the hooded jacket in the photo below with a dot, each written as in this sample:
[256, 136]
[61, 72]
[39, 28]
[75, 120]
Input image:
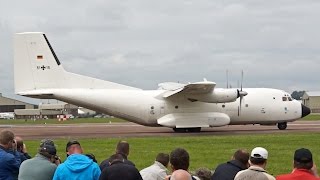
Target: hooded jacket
[77, 167]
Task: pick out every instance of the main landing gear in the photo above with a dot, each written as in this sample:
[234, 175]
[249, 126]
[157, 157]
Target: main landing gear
[184, 130]
[282, 126]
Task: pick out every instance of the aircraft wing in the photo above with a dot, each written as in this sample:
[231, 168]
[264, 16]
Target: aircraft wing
[203, 87]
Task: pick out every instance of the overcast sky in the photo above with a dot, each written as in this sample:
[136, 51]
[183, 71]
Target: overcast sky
[142, 42]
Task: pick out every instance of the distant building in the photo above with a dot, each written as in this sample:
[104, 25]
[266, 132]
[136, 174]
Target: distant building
[9, 105]
[312, 100]
[47, 111]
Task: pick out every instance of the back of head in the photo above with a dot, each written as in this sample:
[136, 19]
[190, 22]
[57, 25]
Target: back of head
[47, 148]
[259, 156]
[179, 159]
[6, 137]
[180, 175]
[303, 159]
[163, 159]
[73, 147]
[241, 156]
[19, 142]
[123, 148]
[203, 173]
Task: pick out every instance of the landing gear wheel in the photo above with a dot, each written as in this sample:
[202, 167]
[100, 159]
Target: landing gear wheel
[184, 130]
[180, 130]
[196, 129]
[282, 126]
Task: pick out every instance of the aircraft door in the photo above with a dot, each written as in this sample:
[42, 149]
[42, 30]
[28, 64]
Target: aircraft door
[156, 110]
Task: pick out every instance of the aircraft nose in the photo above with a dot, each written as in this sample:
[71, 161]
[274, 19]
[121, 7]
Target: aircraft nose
[305, 111]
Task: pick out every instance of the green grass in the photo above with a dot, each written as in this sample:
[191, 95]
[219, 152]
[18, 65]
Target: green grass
[205, 151]
[55, 121]
[312, 117]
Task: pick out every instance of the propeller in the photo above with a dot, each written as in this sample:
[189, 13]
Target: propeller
[241, 94]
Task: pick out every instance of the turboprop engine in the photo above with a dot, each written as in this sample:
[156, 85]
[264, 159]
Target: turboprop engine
[216, 96]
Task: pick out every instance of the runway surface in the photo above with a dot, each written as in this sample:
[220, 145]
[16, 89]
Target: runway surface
[134, 130]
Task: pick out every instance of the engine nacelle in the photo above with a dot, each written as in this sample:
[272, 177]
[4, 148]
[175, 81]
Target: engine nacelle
[217, 96]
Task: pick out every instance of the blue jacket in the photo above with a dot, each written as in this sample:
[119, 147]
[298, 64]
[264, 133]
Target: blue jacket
[77, 167]
[9, 164]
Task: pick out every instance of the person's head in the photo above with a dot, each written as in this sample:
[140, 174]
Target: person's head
[163, 159]
[48, 149]
[180, 175]
[19, 142]
[123, 148]
[7, 139]
[303, 159]
[115, 158]
[203, 173]
[242, 156]
[179, 159]
[259, 157]
[73, 147]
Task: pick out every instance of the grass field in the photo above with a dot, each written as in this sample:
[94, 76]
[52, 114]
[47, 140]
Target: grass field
[205, 151]
[311, 117]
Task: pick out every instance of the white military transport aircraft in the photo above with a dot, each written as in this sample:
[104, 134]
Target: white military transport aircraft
[38, 73]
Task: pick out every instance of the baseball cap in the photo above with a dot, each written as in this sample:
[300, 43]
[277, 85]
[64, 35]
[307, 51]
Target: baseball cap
[46, 142]
[259, 153]
[303, 155]
[70, 143]
[47, 146]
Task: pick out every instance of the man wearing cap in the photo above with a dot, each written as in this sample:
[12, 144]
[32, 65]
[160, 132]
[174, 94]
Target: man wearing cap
[303, 167]
[256, 171]
[43, 165]
[77, 165]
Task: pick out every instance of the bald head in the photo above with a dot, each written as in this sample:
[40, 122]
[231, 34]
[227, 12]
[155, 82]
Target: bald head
[180, 175]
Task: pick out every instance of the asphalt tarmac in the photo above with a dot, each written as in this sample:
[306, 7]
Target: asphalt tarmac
[133, 130]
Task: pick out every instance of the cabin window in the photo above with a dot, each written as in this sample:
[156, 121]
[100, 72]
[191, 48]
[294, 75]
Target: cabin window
[223, 105]
[274, 97]
[152, 107]
[247, 105]
[176, 107]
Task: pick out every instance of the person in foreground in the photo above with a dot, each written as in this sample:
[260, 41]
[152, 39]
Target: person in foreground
[10, 159]
[227, 171]
[157, 171]
[180, 174]
[258, 163]
[118, 170]
[77, 166]
[43, 165]
[123, 149]
[303, 167]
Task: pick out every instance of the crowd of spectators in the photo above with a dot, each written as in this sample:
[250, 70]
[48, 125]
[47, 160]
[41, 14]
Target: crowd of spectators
[16, 163]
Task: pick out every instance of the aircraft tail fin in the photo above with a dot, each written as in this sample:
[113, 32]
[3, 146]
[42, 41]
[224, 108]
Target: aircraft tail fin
[36, 66]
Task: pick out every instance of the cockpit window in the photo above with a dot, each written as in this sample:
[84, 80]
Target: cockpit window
[284, 98]
[290, 99]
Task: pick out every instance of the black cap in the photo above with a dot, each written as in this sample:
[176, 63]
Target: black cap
[46, 142]
[303, 155]
[70, 143]
[47, 147]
